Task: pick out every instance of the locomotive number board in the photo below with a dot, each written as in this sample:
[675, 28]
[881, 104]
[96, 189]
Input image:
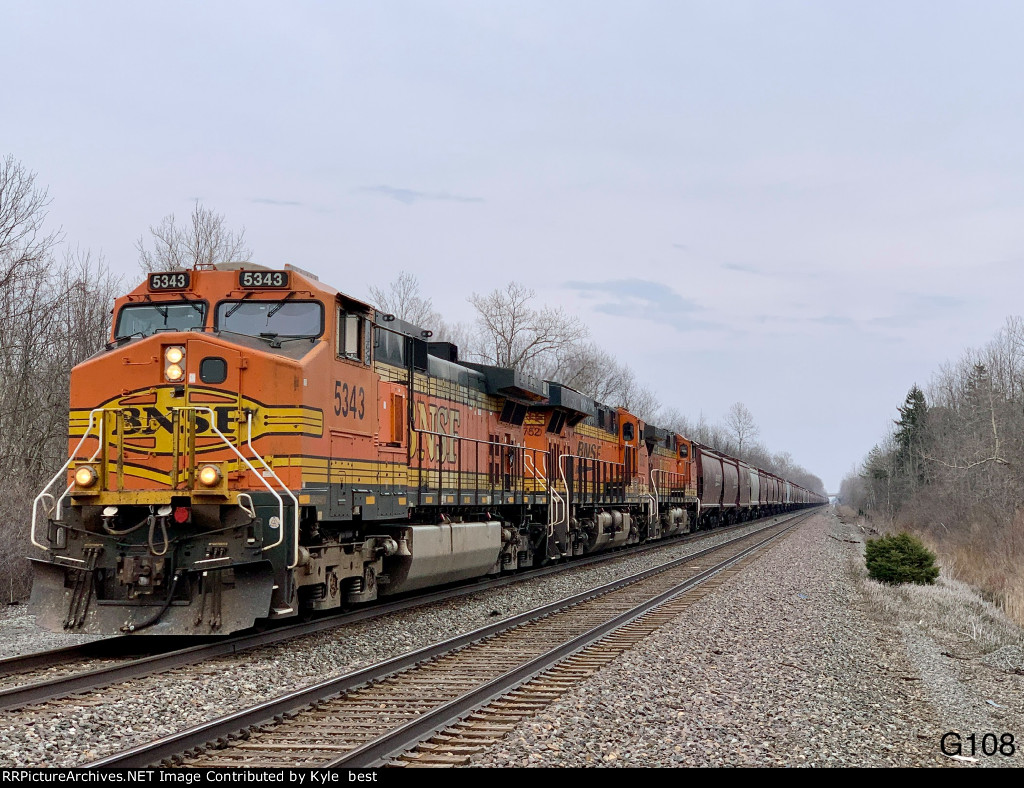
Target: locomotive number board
[175, 280]
[262, 279]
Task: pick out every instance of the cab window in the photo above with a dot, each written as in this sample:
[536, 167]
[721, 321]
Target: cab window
[146, 319]
[354, 338]
[272, 319]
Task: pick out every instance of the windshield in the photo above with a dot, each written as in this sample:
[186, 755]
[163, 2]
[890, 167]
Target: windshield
[271, 318]
[146, 319]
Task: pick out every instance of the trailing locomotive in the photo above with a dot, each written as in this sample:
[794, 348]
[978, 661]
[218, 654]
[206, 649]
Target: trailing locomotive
[252, 444]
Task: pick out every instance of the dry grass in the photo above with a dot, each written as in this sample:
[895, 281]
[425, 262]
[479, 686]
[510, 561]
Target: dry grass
[846, 513]
[951, 607]
[985, 553]
[976, 545]
[978, 600]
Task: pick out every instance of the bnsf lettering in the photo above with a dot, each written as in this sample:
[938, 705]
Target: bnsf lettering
[137, 422]
[589, 450]
[434, 418]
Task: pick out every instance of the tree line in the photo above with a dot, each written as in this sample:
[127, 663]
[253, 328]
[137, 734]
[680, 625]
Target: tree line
[951, 467]
[55, 312]
[511, 329]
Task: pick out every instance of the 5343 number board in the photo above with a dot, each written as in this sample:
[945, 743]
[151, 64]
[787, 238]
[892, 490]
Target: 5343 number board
[263, 279]
[174, 280]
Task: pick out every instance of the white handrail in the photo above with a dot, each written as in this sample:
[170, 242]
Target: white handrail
[561, 468]
[549, 488]
[295, 501]
[221, 435]
[654, 498]
[263, 481]
[64, 468]
[230, 445]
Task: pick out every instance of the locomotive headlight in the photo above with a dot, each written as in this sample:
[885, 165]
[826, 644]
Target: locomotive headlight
[173, 358]
[86, 476]
[209, 476]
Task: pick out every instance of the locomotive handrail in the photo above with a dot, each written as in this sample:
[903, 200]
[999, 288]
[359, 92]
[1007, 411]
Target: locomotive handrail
[557, 502]
[295, 501]
[232, 447]
[63, 469]
[596, 461]
[478, 441]
[663, 472]
[655, 499]
[265, 483]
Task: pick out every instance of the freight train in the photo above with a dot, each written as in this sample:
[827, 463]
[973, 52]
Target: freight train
[252, 444]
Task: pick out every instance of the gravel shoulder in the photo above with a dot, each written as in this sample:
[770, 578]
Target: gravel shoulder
[20, 635]
[799, 660]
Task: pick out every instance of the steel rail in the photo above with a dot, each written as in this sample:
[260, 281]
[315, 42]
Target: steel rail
[23, 695]
[379, 751]
[10, 666]
[228, 725]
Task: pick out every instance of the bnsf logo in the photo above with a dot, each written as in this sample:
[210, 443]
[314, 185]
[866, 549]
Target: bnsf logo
[148, 421]
[589, 450]
[435, 418]
[142, 420]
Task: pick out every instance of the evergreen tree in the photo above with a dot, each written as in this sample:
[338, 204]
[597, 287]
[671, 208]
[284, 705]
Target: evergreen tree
[910, 437]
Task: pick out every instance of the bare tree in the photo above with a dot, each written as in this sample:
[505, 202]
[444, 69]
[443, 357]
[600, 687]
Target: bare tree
[205, 241]
[740, 422]
[53, 314]
[464, 336]
[403, 299]
[24, 241]
[516, 334]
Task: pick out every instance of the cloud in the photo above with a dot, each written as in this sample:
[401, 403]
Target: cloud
[745, 269]
[410, 196]
[834, 320]
[269, 201]
[917, 308]
[641, 298]
[928, 302]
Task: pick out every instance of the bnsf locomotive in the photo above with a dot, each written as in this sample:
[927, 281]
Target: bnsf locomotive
[252, 444]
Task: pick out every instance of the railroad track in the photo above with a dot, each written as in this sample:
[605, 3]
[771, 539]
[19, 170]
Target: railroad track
[455, 697]
[30, 679]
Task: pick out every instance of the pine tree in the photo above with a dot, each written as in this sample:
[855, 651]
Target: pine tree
[910, 437]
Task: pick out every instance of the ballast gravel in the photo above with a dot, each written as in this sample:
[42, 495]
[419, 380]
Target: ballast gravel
[20, 635]
[790, 663]
[798, 660]
[82, 729]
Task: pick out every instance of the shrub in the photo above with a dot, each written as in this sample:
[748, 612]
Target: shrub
[900, 558]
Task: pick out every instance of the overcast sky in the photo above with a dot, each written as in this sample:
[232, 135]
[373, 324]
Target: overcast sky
[803, 206]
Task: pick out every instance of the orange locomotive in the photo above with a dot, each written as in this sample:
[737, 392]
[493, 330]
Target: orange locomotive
[253, 444]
